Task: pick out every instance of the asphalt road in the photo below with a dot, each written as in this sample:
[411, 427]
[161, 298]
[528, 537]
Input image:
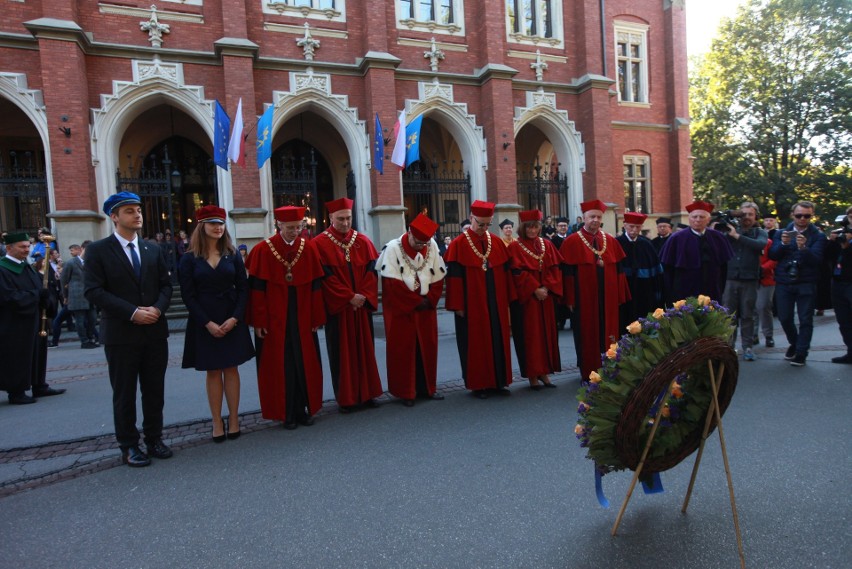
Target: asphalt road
[465, 483]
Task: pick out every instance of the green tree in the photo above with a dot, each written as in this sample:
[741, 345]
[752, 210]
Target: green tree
[770, 106]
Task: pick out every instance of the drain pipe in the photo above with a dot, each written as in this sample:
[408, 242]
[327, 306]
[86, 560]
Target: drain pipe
[603, 36]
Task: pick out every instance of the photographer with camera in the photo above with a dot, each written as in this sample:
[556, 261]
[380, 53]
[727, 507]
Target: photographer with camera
[799, 252]
[747, 240]
[838, 251]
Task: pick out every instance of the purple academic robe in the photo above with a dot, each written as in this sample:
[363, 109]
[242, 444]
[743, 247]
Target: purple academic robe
[695, 265]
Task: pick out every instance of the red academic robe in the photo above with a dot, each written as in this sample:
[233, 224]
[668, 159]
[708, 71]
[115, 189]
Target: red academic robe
[411, 319]
[482, 335]
[595, 293]
[349, 332]
[269, 308]
[533, 320]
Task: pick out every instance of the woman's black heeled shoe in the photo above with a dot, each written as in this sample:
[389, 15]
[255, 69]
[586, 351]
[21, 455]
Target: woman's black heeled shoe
[233, 436]
[221, 438]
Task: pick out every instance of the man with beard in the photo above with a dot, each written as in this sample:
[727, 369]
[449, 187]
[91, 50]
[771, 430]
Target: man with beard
[747, 241]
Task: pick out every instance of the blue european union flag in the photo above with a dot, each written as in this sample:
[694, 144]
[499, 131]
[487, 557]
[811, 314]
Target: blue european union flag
[264, 137]
[412, 141]
[221, 137]
[379, 148]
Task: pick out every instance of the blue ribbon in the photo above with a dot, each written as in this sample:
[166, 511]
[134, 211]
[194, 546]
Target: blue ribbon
[599, 489]
[656, 485]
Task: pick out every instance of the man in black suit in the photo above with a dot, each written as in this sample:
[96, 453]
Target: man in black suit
[129, 280]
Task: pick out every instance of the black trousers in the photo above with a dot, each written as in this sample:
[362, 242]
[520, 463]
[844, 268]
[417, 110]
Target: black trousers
[145, 363]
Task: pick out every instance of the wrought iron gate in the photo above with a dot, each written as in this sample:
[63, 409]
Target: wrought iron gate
[23, 194]
[444, 193]
[294, 182]
[152, 182]
[544, 188]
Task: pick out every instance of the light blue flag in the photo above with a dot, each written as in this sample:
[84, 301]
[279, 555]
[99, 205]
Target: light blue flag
[412, 141]
[221, 137]
[264, 137]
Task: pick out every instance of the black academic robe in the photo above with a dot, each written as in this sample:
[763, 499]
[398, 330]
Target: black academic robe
[644, 274]
[20, 311]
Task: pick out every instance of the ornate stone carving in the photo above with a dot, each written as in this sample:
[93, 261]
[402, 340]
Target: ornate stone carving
[434, 55]
[154, 28]
[308, 43]
[310, 80]
[540, 66]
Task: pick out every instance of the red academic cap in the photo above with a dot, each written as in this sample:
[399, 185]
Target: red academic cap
[635, 217]
[210, 214]
[593, 204]
[423, 228]
[530, 215]
[289, 213]
[706, 206]
[339, 204]
[480, 208]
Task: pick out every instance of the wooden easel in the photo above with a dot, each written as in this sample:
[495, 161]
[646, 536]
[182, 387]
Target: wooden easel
[712, 412]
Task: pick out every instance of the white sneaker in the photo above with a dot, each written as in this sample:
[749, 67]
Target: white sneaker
[749, 355]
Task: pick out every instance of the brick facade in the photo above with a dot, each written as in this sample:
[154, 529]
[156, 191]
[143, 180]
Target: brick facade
[89, 67]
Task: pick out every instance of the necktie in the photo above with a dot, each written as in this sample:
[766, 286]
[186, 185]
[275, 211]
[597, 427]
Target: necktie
[134, 259]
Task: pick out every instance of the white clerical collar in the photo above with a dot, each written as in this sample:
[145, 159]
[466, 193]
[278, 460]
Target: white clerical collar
[289, 243]
[124, 241]
[18, 261]
[699, 234]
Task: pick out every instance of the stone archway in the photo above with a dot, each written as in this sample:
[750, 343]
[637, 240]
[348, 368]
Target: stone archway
[154, 83]
[312, 92]
[562, 135]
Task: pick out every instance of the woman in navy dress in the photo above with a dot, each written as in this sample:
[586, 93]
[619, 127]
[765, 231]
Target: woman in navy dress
[214, 287]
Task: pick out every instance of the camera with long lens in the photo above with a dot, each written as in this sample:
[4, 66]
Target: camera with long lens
[844, 230]
[722, 220]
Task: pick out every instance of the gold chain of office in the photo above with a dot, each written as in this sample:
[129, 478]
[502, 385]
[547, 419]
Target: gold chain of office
[344, 246]
[410, 265]
[600, 253]
[290, 264]
[539, 258]
[476, 249]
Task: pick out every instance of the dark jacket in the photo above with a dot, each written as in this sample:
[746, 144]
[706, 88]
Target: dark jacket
[841, 261]
[745, 264]
[798, 266]
[112, 285]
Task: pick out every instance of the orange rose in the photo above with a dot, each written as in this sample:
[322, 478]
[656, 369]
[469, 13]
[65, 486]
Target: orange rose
[659, 313]
[578, 430]
[611, 352]
[703, 300]
[634, 327]
[594, 377]
[679, 304]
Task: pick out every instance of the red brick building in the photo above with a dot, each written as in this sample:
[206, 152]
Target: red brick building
[570, 100]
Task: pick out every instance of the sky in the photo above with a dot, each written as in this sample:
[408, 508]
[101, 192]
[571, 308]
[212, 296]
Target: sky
[702, 21]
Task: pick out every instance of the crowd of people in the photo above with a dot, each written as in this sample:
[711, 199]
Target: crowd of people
[501, 288]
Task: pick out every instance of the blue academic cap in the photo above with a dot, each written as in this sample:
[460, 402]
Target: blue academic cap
[120, 199]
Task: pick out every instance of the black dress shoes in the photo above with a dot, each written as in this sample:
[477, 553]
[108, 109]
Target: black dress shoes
[437, 396]
[88, 345]
[291, 425]
[133, 456]
[307, 421]
[158, 449]
[504, 391]
[20, 399]
[47, 392]
[371, 403]
[408, 402]
[847, 359]
[480, 394]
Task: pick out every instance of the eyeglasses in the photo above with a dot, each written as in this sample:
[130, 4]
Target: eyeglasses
[480, 224]
[802, 216]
